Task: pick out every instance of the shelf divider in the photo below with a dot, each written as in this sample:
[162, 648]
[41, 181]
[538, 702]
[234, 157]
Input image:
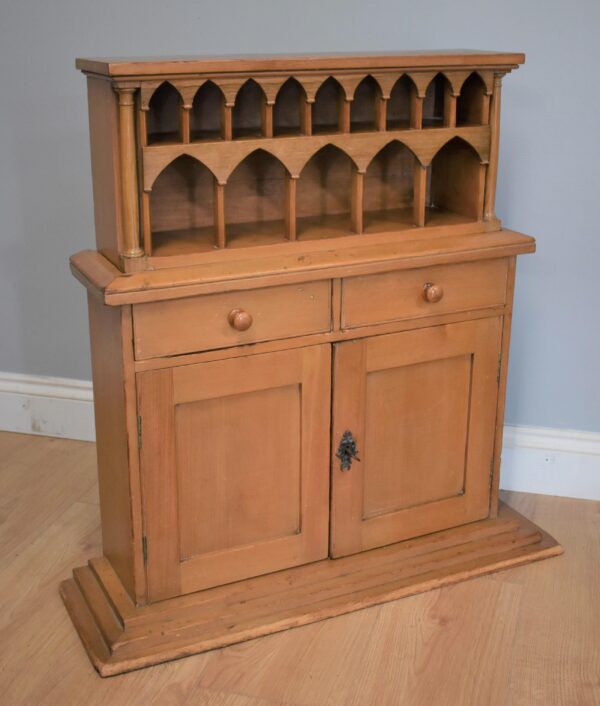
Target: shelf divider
[416, 109]
[449, 107]
[185, 125]
[226, 121]
[146, 224]
[290, 206]
[344, 115]
[381, 113]
[358, 191]
[419, 194]
[306, 117]
[219, 216]
[267, 119]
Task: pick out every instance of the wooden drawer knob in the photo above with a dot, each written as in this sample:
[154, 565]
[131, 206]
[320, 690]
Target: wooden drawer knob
[239, 319]
[432, 292]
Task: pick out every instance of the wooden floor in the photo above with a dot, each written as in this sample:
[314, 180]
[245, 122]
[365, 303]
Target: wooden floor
[527, 636]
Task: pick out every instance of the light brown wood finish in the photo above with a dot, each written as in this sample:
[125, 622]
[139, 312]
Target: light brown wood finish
[322, 62]
[219, 213]
[502, 380]
[434, 392]
[104, 130]
[290, 207]
[386, 253]
[220, 504]
[247, 97]
[116, 423]
[399, 295]
[505, 653]
[129, 191]
[357, 201]
[284, 211]
[492, 170]
[202, 323]
[275, 602]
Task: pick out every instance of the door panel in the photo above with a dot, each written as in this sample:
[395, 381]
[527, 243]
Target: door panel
[421, 406]
[233, 509]
[420, 388]
[235, 471]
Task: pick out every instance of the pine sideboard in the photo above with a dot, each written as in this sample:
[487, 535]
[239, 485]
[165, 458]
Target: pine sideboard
[300, 307]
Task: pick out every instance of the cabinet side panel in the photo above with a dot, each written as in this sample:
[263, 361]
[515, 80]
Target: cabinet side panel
[112, 443]
[506, 328]
[104, 144]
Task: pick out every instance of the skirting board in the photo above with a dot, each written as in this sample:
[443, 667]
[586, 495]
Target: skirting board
[534, 459]
[34, 404]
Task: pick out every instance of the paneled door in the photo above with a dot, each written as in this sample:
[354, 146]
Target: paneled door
[413, 432]
[235, 468]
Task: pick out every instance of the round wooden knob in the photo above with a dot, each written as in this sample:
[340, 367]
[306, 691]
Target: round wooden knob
[432, 292]
[239, 319]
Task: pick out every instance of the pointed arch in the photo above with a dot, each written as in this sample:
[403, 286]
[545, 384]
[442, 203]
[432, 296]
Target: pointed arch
[365, 105]
[472, 106]
[206, 114]
[457, 179]
[398, 105]
[289, 108]
[434, 103]
[389, 188]
[181, 205]
[324, 198]
[255, 200]
[248, 110]
[164, 115]
[326, 113]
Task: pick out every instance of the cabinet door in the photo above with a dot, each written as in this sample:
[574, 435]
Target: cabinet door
[235, 468]
[421, 407]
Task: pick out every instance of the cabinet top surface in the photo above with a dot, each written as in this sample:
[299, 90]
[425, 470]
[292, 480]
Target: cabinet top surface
[153, 66]
[381, 254]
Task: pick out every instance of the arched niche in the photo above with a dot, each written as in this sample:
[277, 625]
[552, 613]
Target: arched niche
[181, 208]
[255, 201]
[456, 184]
[327, 107]
[324, 198]
[365, 106]
[248, 111]
[206, 114]
[434, 104]
[289, 109]
[389, 189]
[472, 105]
[163, 122]
[398, 105]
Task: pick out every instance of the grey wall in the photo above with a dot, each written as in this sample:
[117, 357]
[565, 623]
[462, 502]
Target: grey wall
[549, 182]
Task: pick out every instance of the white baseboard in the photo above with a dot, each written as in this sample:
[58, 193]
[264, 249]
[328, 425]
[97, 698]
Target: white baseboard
[534, 459]
[34, 404]
[551, 462]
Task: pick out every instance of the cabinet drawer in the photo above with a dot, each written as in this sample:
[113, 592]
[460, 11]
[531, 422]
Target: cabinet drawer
[426, 291]
[230, 319]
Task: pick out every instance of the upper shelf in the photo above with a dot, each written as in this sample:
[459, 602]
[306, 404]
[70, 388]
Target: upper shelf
[195, 155]
[220, 108]
[152, 66]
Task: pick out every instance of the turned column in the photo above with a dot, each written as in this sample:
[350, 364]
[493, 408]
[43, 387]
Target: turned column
[130, 213]
[492, 170]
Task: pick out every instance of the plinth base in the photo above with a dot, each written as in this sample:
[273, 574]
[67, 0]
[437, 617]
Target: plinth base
[120, 637]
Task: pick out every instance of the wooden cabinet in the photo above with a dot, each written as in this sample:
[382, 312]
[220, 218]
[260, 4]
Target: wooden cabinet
[300, 310]
[235, 468]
